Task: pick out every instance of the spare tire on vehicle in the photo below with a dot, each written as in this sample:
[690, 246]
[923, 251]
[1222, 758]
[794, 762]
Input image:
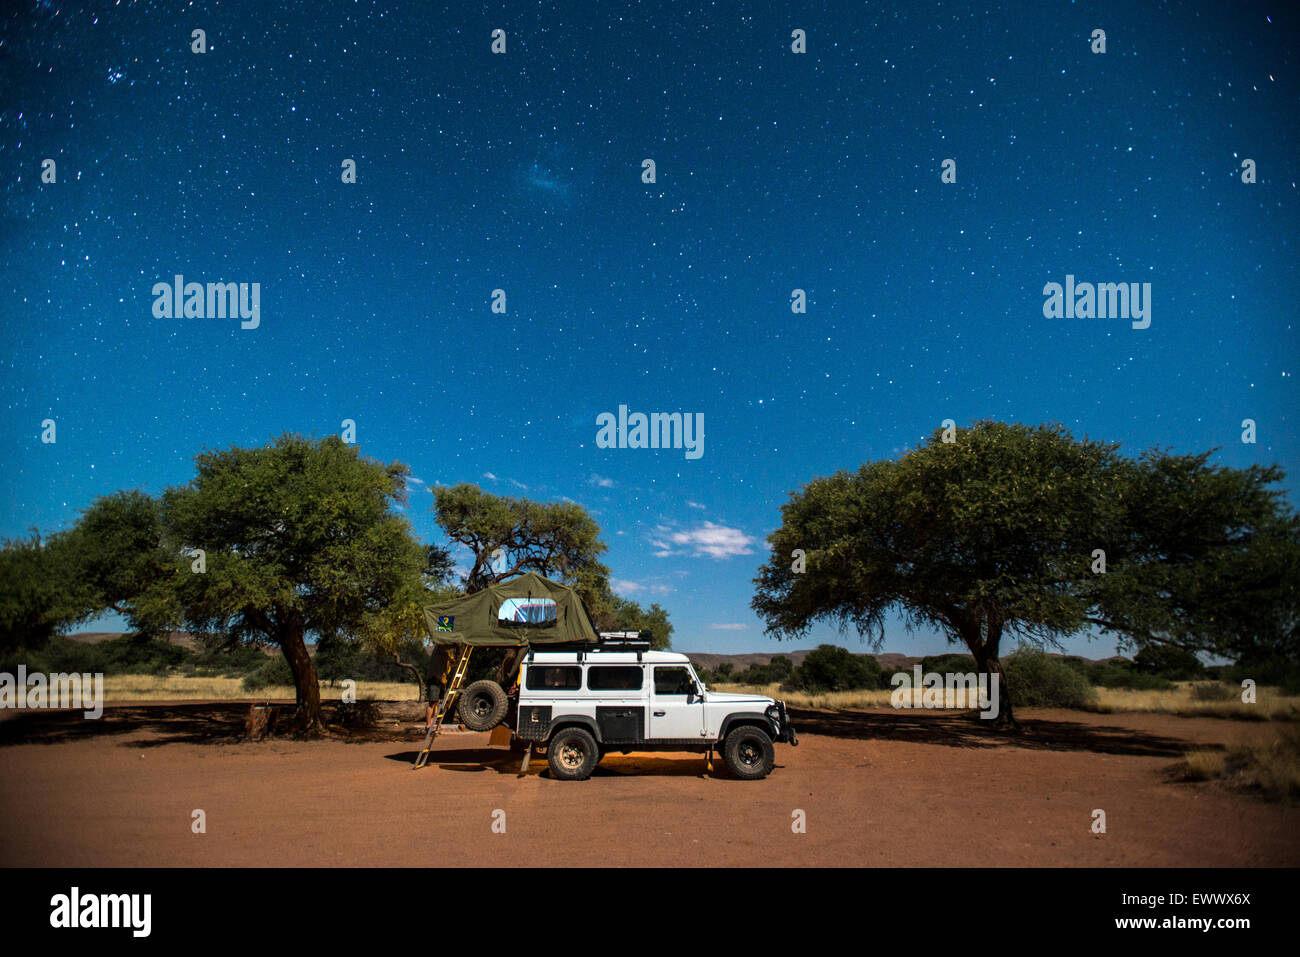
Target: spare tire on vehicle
[482, 706]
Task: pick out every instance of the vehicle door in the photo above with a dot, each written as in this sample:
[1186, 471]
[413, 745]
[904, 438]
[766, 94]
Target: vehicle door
[675, 712]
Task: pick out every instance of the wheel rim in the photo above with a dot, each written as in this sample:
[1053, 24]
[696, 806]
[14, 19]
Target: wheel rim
[481, 707]
[571, 756]
[750, 754]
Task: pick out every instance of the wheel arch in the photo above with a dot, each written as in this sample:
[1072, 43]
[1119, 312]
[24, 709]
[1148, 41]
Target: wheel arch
[755, 719]
[573, 721]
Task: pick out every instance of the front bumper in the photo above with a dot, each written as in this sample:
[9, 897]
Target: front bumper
[781, 725]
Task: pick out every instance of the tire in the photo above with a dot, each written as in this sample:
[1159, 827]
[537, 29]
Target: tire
[748, 752]
[482, 706]
[572, 754]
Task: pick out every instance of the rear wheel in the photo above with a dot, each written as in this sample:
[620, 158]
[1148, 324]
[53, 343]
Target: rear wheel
[572, 754]
[482, 706]
[749, 753]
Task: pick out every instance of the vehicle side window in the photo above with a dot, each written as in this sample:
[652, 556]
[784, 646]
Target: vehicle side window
[553, 678]
[671, 680]
[615, 677]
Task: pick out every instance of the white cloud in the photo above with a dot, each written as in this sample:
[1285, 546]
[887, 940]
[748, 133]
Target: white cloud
[709, 539]
[694, 504]
[620, 585]
[729, 627]
[601, 481]
[489, 476]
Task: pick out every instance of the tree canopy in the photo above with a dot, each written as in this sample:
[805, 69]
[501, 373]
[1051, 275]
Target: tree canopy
[1026, 532]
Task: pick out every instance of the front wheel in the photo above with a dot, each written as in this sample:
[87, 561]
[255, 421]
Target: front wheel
[572, 754]
[749, 753]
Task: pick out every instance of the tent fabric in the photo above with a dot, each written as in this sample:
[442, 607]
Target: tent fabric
[475, 619]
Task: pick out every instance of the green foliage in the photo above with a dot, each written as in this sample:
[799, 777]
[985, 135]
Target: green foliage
[1036, 680]
[1274, 670]
[558, 540]
[993, 535]
[1122, 674]
[832, 668]
[274, 671]
[629, 616]
[297, 535]
[38, 593]
[1206, 558]
[1168, 661]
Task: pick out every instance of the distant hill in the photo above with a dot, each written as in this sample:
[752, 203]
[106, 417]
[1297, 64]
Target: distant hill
[182, 638]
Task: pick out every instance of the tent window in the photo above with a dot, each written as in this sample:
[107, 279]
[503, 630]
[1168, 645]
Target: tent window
[615, 678]
[537, 612]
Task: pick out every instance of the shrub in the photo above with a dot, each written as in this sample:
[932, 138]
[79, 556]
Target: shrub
[1271, 670]
[1120, 674]
[780, 667]
[1213, 691]
[273, 671]
[1168, 661]
[832, 668]
[1035, 680]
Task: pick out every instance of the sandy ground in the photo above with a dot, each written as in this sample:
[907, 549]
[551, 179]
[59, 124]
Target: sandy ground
[875, 789]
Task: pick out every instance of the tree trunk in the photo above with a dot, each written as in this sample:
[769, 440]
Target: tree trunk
[1006, 719]
[985, 651]
[307, 717]
[419, 674]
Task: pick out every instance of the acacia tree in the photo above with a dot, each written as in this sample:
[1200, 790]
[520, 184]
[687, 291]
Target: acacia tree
[398, 630]
[997, 534]
[558, 540]
[37, 599]
[297, 537]
[1208, 560]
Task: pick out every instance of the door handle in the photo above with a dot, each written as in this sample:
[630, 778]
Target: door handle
[660, 714]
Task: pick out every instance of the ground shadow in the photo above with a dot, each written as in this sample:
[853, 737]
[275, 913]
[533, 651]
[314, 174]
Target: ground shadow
[224, 723]
[208, 722]
[967, 730]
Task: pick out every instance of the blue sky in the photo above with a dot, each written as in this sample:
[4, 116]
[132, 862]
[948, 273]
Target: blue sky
[522, 172]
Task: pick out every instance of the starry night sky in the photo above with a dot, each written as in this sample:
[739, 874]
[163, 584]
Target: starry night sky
[522, 172]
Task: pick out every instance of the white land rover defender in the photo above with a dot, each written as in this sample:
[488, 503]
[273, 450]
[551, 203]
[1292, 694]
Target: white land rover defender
[619, 696]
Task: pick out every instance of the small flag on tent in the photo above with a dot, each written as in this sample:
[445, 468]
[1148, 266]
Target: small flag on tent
[446, 622]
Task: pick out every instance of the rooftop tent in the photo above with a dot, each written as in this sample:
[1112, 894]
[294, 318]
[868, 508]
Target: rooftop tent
[527, 610]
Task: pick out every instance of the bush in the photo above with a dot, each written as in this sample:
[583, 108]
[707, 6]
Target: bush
[780, 667]
[1272, 670]
[143, 655]
[1213, 691]
[1167, 661]
[1034, 680]
[832, 668]
[273, 671]
[1121, 674]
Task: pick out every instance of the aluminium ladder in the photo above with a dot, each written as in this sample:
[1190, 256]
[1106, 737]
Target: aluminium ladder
[444, 706]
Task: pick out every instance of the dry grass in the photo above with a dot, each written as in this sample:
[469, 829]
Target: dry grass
[119, 689]
[1271, 769]
[1202, 700]
[866, 699]
[1189, 699]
